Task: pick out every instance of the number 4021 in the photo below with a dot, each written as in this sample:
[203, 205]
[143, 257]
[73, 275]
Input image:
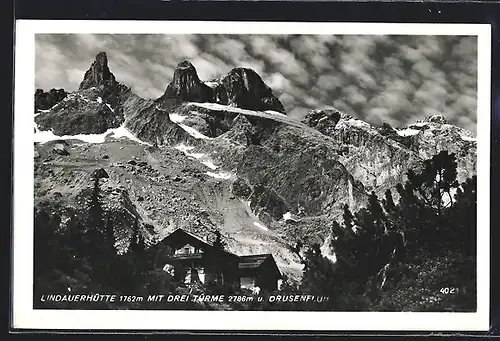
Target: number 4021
[447, 290]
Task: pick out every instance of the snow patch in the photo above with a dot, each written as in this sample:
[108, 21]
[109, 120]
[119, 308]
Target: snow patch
[51, 108]
[272, 112]
[209, 164]
[358, 123]
[185, 149]
[351, 197]
[269, 114]
[48, 135]
[220, 175]
[193, 132]
[287, 216]
[124, 132]
[468, 138]
[99, 100]
[109, 106]
[259, 225]
[176, 118]
[408, 132]
[211, 84]
[420, 124]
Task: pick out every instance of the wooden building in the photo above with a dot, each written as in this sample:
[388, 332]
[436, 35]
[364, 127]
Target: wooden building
[195, 260]
[259, 271]
[192, 259]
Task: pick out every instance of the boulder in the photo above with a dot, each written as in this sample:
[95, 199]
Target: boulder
[99, 173]
[60, 149]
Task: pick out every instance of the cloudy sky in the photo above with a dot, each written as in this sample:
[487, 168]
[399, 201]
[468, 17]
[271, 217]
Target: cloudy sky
[393, 79]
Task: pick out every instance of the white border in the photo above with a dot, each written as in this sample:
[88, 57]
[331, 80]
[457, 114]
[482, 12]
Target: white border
[24, 316]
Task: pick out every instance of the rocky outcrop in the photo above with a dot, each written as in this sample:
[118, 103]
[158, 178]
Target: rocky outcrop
[323, 120]
[436, 135]
[99, 173]
[439, 119]
[46, 100]
[98, 73]
[60, 149]
[80, 113]
[244, 88]
[185, 87]
[153, 124]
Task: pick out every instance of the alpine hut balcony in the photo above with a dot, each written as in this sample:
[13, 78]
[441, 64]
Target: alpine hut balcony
[194, 255]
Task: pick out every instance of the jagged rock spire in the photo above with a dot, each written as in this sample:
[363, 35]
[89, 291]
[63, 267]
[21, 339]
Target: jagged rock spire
[244, 88]
[98, 73]
[186, 86]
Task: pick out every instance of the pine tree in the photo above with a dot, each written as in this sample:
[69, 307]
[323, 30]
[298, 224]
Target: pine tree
[136, 246]
[110, 235]
[95, 239]
[319, 275]
[462, 232]
[219, 244]
[425, 214]
[135, 259]
[348, 218]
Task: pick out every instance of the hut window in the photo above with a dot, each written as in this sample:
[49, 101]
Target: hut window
[185, 250]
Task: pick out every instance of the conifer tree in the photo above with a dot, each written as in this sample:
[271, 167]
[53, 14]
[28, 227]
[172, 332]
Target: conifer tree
[219, 244]
[137, 240]
[319, 274]
[462, 231]
[95, 224]
[110, 235]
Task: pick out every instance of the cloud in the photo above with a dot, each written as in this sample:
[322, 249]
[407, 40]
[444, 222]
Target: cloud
[393, 79]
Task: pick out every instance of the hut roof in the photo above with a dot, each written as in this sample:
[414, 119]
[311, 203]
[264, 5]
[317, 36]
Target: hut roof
[253, 261]
[180, 231]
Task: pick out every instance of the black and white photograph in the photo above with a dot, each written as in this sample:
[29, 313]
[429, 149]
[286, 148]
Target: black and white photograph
[256, 171]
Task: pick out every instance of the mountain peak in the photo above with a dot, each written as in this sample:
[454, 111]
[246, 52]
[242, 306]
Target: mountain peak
[244, 88]
[102, 59]
[98, 73]
[186, 85]
[436, 119]
[186, 64]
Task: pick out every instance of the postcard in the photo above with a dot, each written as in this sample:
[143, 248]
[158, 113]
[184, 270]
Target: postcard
[205, 175]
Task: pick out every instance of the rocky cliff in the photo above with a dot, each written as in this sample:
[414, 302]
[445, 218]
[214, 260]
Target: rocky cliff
[223, 155]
